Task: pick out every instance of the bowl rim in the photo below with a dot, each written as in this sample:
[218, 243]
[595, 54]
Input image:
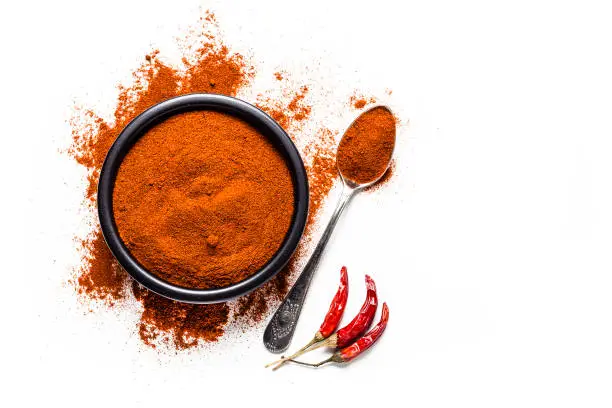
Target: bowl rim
[160, 112]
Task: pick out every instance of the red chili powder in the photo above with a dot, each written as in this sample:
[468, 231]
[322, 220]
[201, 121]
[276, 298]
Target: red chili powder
[360, 101]
[367, 145]
[288, 115]
[203, 200]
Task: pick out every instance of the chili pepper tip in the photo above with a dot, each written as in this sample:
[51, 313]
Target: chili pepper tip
[370, 282]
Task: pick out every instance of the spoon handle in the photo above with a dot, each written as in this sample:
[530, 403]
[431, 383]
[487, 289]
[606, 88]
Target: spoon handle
[281, 327]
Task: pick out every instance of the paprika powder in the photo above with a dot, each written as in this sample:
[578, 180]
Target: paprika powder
[367, 145]
[203, 200]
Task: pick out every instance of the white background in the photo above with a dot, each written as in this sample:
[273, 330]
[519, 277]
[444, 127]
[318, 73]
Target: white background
[491, 245]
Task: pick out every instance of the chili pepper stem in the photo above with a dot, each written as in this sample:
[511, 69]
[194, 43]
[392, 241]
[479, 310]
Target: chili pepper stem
[334, 358]
[297, 353]
[315, 365]
[313, 346]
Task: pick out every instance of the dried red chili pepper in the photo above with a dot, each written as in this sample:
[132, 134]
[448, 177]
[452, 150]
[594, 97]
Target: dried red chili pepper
[360, 323]
[365, 342]
[349, 353]
[351, 331]
[332, 318]
[336, 309]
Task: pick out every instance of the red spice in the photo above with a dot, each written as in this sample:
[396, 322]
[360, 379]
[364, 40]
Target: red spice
[101, 276]
[255, 306]
[366, 147]
[214, 211]
[183, 324]
[322, 171]
[360, 101]
[288, 115]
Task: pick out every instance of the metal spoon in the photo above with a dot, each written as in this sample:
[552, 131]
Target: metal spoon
[281, 327]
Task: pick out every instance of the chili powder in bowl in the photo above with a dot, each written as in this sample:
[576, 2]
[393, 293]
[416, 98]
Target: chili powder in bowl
[203, 198]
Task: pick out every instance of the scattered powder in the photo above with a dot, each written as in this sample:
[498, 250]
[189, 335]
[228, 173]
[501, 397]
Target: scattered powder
[360, 101]
[183, 325]
[254, 307]
[322, 171]
[367, 146]
[289, 115]
[100, 276]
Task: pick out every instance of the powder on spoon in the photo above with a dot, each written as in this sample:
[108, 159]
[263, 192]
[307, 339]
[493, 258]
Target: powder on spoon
[366, 147]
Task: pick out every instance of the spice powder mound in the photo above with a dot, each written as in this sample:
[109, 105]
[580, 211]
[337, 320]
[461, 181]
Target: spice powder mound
[365, 150]
[203, 200]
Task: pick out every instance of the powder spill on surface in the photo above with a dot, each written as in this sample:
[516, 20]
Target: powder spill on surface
[100, 276]
[290, 115]
[184, 325]
[322, 171]
[208, 65]
[360, 101]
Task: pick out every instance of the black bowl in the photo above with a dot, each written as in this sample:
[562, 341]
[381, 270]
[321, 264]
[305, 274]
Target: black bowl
[160, 112]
